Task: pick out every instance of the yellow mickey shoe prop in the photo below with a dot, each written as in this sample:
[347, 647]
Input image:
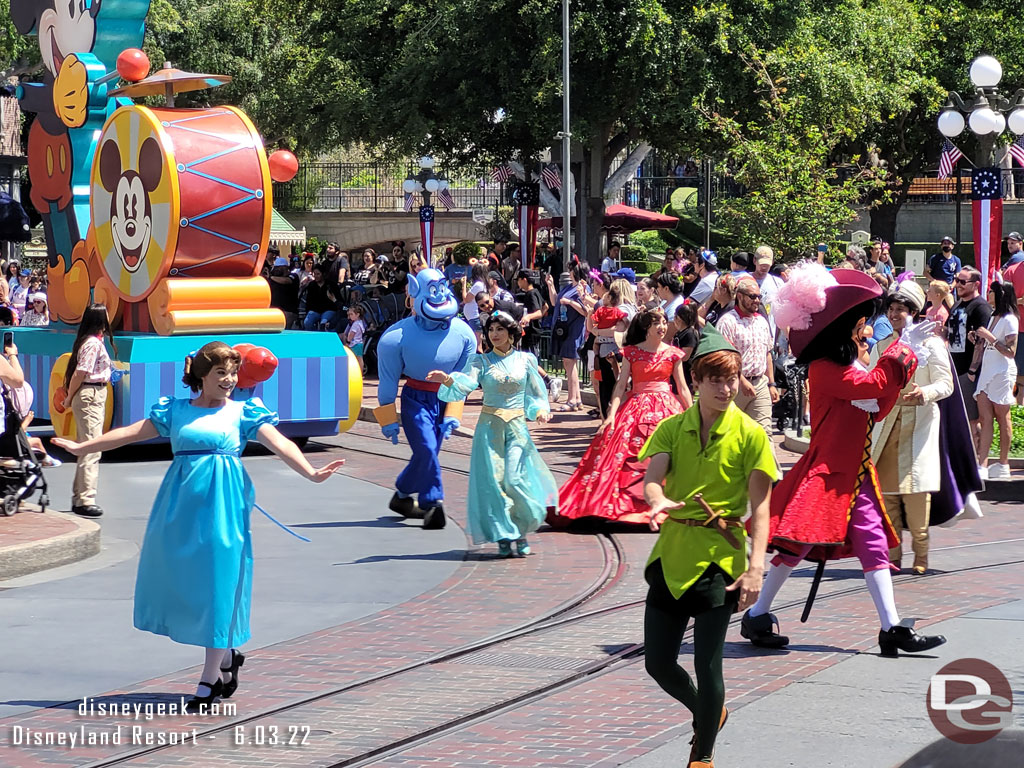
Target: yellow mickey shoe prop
[68, 291]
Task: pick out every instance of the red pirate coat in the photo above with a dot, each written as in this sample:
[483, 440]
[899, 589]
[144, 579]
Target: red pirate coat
[811, 505]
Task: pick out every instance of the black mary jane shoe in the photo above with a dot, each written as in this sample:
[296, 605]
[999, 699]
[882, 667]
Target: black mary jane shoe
[902, 637]
[197, 704]
[434, 518]
[758, 630]
[228, 689]
[406, 507]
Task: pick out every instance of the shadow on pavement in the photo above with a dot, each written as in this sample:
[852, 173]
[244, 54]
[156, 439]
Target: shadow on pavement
[380, 522]
[456, 555]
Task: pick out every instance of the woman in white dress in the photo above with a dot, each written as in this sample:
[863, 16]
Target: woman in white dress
[996, 374]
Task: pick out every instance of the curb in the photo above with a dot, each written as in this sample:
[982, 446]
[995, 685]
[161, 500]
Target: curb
[795, 444]
[70, 547]
[1003, 490]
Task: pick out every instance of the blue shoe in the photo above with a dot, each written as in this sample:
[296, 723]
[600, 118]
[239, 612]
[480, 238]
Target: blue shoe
[504, 548]
[522, 547]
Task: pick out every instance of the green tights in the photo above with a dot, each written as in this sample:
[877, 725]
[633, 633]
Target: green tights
[663, 634]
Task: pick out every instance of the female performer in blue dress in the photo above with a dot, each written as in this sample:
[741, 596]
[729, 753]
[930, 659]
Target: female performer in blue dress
[195, 570]
[510, 486]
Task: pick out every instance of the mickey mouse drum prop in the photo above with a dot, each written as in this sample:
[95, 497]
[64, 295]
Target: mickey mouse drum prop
[183, 196]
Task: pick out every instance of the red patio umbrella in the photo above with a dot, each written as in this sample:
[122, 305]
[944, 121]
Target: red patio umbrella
[623, 218]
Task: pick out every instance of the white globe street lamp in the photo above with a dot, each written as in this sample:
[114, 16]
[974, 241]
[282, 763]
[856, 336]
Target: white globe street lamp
[1016, 121]
[986, 72]
[983, 121]
[951, 123]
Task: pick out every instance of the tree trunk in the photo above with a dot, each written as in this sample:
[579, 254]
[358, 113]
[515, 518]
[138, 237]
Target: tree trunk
[883, 220]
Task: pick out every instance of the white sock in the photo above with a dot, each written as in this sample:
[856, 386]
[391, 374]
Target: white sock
[880, 586]
[773, 582]
[211, 670]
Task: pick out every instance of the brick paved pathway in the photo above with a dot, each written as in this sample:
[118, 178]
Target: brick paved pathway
[604, 720]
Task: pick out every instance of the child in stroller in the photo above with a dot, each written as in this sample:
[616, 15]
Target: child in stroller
[21, 474]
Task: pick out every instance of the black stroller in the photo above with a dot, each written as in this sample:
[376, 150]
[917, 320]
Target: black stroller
[21, 474]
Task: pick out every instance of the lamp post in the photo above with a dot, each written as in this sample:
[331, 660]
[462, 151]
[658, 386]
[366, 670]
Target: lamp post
[987, 113]
[425, 183]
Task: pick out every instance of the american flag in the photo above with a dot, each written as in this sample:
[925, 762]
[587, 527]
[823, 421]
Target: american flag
[950, 157]
[551, 177]
[408, 202]
[444, 197]
[1017, 150]
[502, 173]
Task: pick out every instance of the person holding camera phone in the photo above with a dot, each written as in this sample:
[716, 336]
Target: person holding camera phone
[570, 330]
[10, 368]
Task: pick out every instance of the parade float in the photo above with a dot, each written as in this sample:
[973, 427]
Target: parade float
[163, 215]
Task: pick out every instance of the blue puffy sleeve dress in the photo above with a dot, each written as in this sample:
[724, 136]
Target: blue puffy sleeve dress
[194, 582]
[510, 486]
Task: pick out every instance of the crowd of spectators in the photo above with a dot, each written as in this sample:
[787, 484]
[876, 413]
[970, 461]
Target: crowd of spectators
[23, 298]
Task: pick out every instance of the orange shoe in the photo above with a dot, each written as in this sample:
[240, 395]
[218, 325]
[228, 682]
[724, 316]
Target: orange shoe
[693, 742]
[702, 764]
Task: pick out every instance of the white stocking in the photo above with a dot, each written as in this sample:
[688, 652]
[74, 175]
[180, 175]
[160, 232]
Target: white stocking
[773, 582]
[211, 670]
[880, 586]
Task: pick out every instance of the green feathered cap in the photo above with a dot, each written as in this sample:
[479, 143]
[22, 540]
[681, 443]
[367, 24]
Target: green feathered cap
[711, 341]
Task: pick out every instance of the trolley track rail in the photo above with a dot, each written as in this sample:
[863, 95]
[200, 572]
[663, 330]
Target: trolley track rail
[560, 617]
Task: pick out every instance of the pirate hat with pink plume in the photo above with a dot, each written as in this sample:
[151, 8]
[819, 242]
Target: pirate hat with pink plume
[814, 297]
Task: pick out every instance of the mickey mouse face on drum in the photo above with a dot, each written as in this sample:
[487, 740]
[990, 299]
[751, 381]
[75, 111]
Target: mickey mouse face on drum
[131, 211]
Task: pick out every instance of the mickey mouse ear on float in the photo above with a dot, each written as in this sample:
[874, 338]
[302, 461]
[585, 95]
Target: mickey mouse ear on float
[814, 297]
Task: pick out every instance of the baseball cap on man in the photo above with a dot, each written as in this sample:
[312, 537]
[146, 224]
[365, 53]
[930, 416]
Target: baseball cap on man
[949, 239]
[1015, 236]
[710, 258]
[764, 258]
[626, 273]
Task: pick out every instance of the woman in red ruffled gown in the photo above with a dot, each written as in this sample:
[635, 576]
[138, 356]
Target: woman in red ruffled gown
[608, 483]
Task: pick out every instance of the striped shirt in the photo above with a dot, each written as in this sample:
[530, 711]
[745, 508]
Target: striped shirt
[752, 338]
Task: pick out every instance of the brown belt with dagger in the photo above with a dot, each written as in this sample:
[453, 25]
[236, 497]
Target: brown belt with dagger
[714, 520]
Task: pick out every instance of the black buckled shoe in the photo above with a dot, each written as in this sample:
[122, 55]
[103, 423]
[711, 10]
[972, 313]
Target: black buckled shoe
[758, 630]
[434, 518]
[237, 659]
[406, 507]
[902, 637]
[198, 705]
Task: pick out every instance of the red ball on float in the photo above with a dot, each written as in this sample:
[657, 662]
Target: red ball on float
[283, 165]
[132, 64]
[258, 365]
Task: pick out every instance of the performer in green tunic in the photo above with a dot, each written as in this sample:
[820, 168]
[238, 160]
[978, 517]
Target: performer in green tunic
[706, 463]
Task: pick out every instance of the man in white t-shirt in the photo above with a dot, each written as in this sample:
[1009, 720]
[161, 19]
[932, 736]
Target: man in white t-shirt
[610, 263]
[707, 270]
[764, 257]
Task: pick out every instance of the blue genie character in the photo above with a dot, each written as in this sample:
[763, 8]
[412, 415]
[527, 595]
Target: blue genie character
[432, 339]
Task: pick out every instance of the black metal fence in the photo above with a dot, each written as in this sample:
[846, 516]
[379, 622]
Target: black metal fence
[378, 187]
[653, 193]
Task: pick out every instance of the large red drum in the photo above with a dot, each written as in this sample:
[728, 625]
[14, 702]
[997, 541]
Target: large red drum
[179, 193]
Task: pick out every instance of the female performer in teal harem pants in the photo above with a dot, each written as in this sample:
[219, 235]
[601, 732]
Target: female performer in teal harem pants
[195, 570]
[510, 486]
